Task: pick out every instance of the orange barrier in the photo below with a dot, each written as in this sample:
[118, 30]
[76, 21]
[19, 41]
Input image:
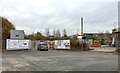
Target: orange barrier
[96, 45]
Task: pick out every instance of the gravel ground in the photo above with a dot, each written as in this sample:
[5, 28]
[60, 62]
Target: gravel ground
[59, 60]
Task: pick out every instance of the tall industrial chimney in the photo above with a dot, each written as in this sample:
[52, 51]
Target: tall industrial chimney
[81, 26]
[80, 35]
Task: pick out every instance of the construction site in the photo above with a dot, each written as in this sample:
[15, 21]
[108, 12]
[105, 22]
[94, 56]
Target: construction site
[56, 51]
[59, 55]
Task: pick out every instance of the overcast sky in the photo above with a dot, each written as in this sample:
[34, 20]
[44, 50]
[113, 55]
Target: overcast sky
[37, 15]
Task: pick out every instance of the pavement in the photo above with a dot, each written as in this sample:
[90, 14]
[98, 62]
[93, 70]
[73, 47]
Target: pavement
[59, 60]
[104, 48]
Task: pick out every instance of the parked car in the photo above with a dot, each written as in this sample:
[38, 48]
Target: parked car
[43, 46]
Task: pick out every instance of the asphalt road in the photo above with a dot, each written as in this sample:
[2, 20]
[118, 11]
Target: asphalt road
[59, 60]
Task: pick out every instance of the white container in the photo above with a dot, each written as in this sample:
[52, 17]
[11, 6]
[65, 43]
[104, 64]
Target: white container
[62, 44]
[13, 44]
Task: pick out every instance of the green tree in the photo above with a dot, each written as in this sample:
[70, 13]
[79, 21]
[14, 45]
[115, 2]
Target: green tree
[30, 36]
[35, 36]
[39, 36]
[6, 27]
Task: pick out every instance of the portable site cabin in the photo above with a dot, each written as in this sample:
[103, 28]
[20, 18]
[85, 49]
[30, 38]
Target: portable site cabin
[62, 44]
[17, 41]
[13, 44]
[17, 34]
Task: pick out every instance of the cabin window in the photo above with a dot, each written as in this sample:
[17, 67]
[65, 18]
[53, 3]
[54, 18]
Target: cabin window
[17, 35]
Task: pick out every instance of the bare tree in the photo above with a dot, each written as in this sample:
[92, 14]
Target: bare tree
[107, 31]
[58, 35]
[54, 33]
[64, 33]
[47, 32]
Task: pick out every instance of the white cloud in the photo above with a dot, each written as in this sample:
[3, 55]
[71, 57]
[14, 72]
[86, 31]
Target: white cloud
[59, 14]
[46, 11]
